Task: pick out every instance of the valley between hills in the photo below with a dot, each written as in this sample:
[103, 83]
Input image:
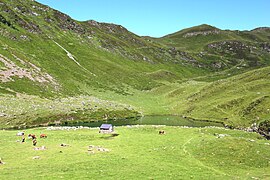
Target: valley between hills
[55, 70]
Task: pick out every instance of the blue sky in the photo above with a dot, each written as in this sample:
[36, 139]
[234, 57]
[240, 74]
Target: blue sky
[160, 17]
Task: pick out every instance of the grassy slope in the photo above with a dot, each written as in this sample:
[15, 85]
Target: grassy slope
[181, 41]
[115, 75]
[182, 153]
[187, 43]
[223, 47]
[34, 111]
[239, 100]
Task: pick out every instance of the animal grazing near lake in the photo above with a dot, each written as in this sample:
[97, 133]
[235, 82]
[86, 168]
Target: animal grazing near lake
[161, 132]
[43, 136]
[20, 134]
[34, 142]
[23, 139]
[1, 162]
[32, 136]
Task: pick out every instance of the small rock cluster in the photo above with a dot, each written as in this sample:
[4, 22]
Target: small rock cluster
[265, 47]
[230, 46]
[221, 135]
[36, 157]
[93, 149]
[66, 128]
[203, 33]
[67, 23]
[40, 148]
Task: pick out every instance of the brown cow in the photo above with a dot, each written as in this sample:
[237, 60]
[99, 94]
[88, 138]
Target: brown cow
[43, 136]
[32, 136]
[34, 142]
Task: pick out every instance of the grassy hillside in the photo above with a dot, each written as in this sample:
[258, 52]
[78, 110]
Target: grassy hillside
[103, 56]
[47, 56]
[55, 63]
[239, 101]
[221, 49]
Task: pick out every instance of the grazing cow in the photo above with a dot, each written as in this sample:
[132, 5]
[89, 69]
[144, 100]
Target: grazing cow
[23, 139]
[32, 136]
[161, 132]
[20, 133]
[43, 136]
[1, 162]
[34, 142]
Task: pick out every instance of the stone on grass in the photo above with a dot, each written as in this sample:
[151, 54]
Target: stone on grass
[36, 157]
[220, 135]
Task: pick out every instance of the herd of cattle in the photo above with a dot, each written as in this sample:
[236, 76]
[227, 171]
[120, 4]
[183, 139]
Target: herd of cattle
[31, 136]
[34, 137]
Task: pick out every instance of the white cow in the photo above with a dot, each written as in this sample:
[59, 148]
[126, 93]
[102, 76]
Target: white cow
[20, 133]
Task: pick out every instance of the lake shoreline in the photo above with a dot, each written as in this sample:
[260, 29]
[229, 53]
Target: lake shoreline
[167, 120]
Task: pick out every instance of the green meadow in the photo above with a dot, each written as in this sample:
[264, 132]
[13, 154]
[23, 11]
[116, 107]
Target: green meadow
[138, 152]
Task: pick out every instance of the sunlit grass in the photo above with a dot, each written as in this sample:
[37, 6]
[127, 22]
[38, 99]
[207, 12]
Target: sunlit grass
[138, 152]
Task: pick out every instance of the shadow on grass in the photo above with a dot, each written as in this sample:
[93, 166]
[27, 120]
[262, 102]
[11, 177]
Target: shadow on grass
[109, 136]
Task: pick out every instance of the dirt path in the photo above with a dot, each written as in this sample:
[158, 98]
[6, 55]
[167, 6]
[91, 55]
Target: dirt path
[198, 162]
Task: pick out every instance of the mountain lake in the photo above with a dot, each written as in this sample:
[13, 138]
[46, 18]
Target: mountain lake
[168, 120]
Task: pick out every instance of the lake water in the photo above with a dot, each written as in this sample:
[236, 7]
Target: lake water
[152, 120]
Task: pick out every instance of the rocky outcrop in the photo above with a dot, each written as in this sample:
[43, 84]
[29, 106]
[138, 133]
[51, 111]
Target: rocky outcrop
[15, 19]
[67, 23]
[108, 27]
[229, 46]
[265, 47]
[261, 29]
[32, 73]
[235, 49]
[202, 33]
[5, 21]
